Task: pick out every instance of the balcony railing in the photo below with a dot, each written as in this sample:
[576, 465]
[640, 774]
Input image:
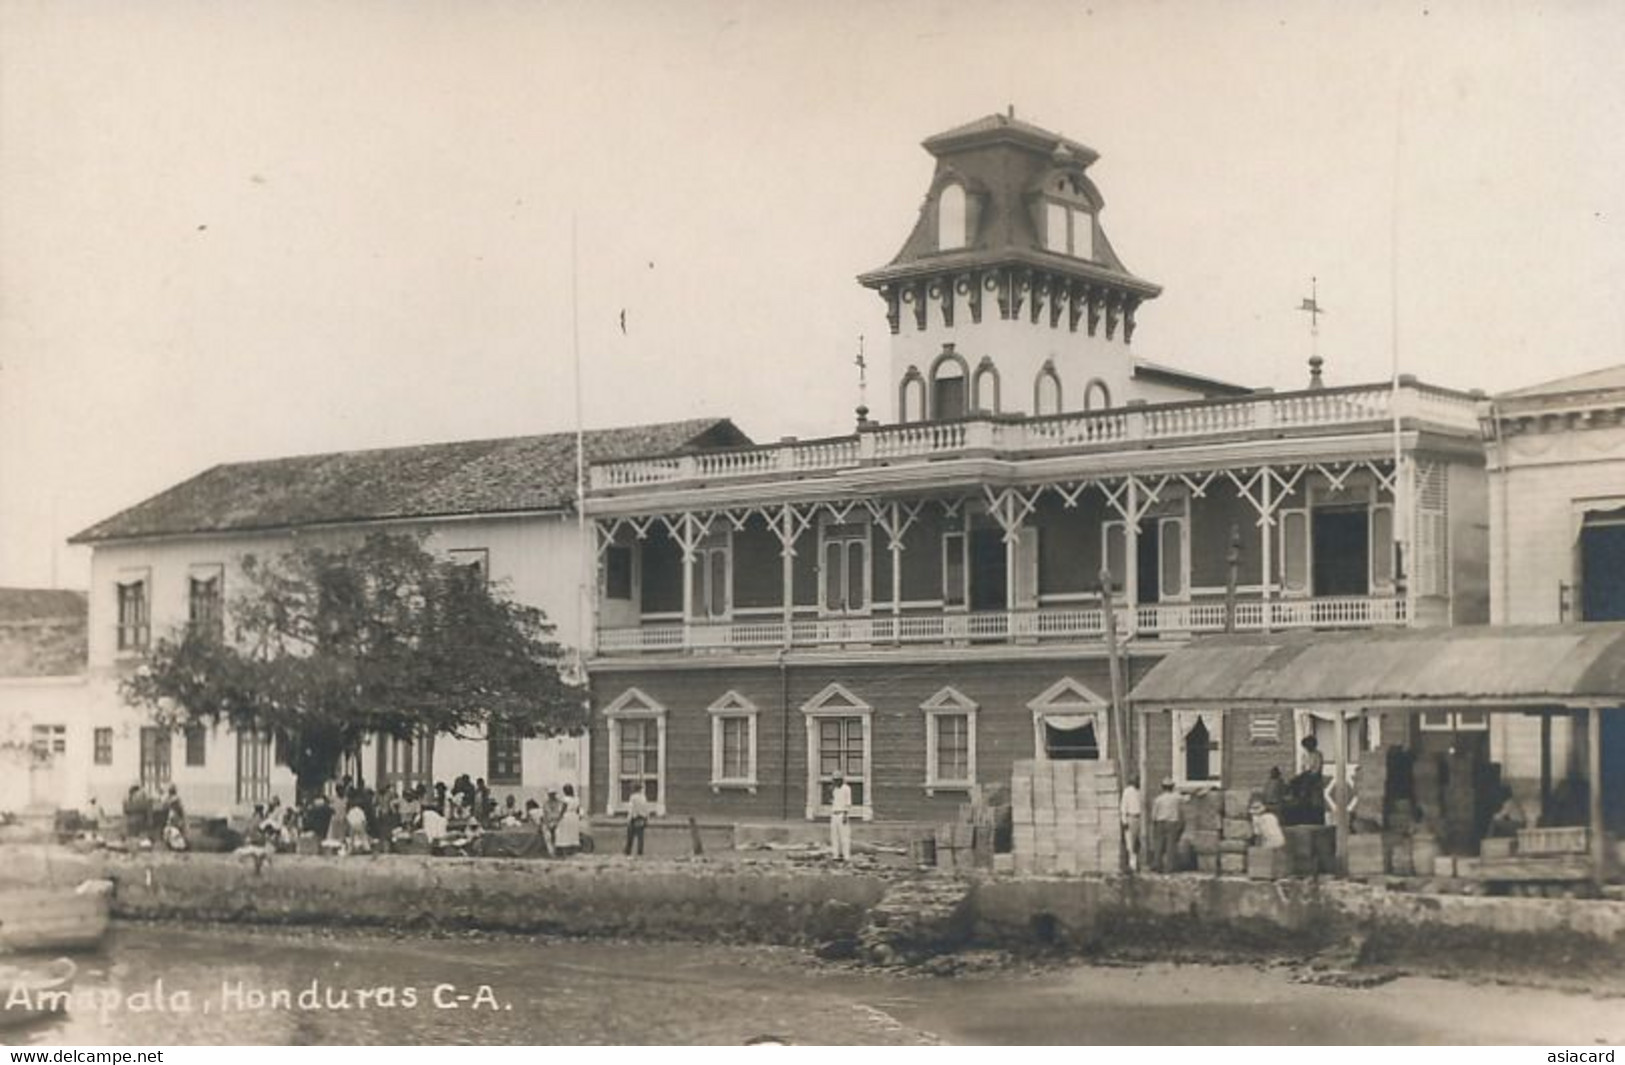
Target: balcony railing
[1151, 620]
[1156, 425]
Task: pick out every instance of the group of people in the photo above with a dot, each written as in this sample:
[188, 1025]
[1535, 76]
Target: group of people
[1265, 811]
[351, 818]
[160, 821]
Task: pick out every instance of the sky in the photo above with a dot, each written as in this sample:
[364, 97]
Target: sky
[238, 230]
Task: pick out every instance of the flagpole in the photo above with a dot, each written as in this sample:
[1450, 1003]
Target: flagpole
[1402, 489]
[583, 604]
[586, 549]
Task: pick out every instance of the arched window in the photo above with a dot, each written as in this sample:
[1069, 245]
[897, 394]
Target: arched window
[951, 217]
[1047, 391]
[985, 386]
[1096, 396]
[950, 384]
[911, 397]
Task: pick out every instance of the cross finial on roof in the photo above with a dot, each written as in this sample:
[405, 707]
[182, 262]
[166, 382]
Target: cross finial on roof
[1311, 304]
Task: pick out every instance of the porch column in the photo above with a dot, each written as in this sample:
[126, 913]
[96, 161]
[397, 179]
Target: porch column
[1266, 541]
[1141, 728]
[787, 555]
[1599, 844]
[690, 539]
[1545, 760]
[1340, 790]
[1131, 557]
[895, 535]
[1012, 559]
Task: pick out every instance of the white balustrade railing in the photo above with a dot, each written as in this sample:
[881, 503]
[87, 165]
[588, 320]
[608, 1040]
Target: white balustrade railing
[1146, 621]
[1118, 426]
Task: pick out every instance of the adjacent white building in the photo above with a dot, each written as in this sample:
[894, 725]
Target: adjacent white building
[1556, 461]
[506, 506]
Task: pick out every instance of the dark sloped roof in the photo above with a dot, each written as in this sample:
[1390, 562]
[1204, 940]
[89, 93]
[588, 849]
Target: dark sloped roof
[1609, 377]
[43, 632]
[1482, 665]
[1001, 160]
[508, 475]
[997, 126]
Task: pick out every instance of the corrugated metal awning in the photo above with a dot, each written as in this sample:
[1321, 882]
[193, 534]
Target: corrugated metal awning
[1465, 666]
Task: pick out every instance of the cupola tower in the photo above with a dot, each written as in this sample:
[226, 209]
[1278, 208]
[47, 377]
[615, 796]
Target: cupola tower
[1008, 297]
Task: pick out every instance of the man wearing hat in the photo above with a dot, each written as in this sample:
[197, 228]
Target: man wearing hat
[1167, 825]
[840, 813]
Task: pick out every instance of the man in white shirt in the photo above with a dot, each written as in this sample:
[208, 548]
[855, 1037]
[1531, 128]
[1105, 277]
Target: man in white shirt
[638, 810]
[840, 813]
[1132, 813]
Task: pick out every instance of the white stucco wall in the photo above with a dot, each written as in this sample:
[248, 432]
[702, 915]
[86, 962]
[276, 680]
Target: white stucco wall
[1019, 350]
[534, 557]
[1541, 483]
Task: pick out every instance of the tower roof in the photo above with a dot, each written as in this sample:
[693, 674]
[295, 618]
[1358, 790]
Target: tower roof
[1008, 168]
[992, 129]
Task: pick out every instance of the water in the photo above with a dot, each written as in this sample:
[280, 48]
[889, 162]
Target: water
[168, 985]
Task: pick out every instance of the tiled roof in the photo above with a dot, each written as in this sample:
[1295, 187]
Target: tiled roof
[503, 476]
[43, 632]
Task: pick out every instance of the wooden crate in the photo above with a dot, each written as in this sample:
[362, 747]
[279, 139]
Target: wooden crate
[1267, 863]
[1553, 840]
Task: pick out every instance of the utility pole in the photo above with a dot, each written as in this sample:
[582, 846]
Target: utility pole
[1119, 727]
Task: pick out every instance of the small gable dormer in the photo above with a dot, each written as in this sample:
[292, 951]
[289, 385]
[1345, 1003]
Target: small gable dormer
[1064, 205]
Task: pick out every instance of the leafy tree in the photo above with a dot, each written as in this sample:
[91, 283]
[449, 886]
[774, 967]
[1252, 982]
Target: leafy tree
[326, 646]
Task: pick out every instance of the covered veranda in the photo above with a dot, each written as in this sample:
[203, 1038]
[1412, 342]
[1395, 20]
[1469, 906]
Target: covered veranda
[1548, 671]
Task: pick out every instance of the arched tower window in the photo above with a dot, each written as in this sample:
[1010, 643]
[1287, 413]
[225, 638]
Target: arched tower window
[911, 397]
[985, 386]
[950, 380]
[951, 217]
[1096, 396]
[1047, 390]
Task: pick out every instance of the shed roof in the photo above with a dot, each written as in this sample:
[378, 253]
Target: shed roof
[1476, 665]
[502, 476]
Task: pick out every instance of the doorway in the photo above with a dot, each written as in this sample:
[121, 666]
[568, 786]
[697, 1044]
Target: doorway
[1341, 543]
[1602, 569]
[1148, 562]
[49, 748]
[989, 571]
[948, 397]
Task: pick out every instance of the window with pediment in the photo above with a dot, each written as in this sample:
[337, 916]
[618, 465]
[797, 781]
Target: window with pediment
[1070, 723]
[950, 741]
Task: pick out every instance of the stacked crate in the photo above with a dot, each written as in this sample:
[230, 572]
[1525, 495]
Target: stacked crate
[1235, 831]
[1065, 817]
[1371, 790]
[981, 831]
[1203, 813]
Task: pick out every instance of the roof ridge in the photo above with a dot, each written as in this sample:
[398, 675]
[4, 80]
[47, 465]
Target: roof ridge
[305, 456]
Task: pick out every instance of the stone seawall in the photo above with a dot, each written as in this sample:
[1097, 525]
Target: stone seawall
[581, 897]
[772, 903]
[1359, 923]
